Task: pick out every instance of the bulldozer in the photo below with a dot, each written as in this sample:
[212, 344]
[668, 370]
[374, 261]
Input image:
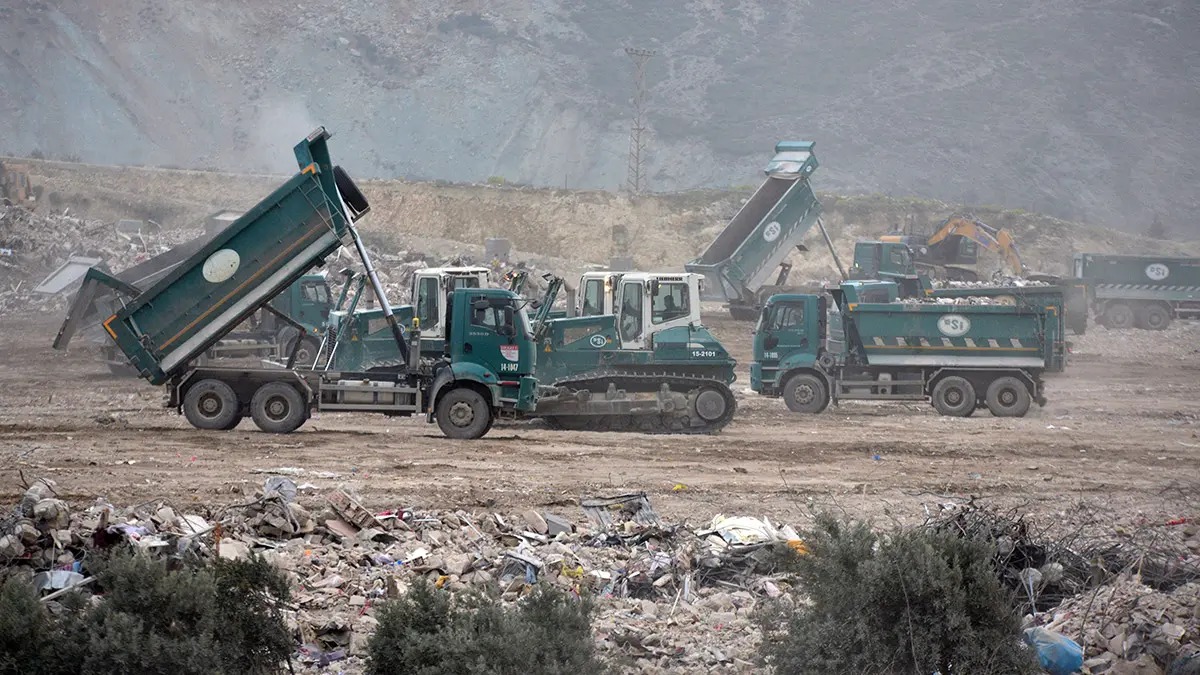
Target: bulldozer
[15, 187]
[952, 251]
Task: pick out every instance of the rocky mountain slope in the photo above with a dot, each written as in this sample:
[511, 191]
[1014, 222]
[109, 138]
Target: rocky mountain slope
[1082, 110]
[574, 227]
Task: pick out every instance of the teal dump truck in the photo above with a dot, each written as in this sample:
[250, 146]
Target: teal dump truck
[1135, 291]
[957, 356]
[162, 328]
[740, 263]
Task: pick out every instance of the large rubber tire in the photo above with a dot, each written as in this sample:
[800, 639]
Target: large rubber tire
[212, 404]
[805, 393]
[1153, 317]
[278, 408]
[1118, 316]
[1008, 397]
[711, 405]
[464, 413]
[308, 352]
[954, 396]
[353, 197]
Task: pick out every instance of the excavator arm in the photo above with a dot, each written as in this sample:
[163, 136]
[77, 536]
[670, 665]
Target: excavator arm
[999, 242]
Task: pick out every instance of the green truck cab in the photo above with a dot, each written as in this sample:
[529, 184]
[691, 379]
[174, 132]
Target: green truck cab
[958, 357]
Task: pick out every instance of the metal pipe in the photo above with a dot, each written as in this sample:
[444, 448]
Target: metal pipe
[829, 243]
[397, 333]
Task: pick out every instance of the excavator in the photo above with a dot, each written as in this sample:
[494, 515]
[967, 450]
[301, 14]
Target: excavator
[955, 244]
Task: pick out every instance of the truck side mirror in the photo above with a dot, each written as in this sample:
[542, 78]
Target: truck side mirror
[771, 342]
[654, 287]
[480, 304]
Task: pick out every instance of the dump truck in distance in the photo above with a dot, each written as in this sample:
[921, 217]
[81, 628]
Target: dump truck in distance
[958, 357]
[1135, 291]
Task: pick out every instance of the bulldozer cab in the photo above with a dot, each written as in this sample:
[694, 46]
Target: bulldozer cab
[429, 289]
[597, 292]
[650, 302]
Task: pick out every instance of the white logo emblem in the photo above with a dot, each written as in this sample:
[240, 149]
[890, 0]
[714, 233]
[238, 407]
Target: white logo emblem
[221, 265]
[1157, 271]
[954, 325]
[772, 230]
[510, 352]
[598, 340]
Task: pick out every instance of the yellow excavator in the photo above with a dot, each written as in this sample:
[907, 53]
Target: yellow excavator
[955, 244]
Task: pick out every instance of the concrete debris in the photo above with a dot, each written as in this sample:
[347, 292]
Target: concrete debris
[42, 242]
[1126, 626]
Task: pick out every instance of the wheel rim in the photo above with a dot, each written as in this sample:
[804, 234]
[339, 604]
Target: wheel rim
[1156, 320]
[710, 405]
[210, 406]
[803, 394]
[277, 408]
[461, 414]
[954, 396]
[1007, 397]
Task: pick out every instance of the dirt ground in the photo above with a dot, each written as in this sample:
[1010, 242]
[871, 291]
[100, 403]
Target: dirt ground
[1120, 436]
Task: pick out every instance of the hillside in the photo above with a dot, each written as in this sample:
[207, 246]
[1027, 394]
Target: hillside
[1086, 111]
[567, 225]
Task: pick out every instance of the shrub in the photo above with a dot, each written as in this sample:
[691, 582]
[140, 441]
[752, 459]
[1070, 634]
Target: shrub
[219, 618]
[432, 633]
[911, 602]
[495, 180]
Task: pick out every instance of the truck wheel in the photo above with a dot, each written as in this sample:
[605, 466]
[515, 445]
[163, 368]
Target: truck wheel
[954, 396]
[463, 413]
[1008, 397]
[805, 393]
[278, 408]
[1154, 317]
[1118, 316]
[211, 404]
[306, 354]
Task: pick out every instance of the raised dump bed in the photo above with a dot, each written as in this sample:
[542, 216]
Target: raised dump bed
[759, 238]
[163, 327]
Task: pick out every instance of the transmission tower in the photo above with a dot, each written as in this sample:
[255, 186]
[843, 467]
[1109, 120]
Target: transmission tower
[637, 142]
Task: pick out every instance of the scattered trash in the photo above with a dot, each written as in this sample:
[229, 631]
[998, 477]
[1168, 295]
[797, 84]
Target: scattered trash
[1058, 654]
[635, 507]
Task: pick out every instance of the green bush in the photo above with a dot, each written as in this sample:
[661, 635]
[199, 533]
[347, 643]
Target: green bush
[220, 618]
[913, 601]
[495, 180]
[433, 633]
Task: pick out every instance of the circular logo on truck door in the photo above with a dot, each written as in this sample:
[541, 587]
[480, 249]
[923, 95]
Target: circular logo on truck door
[221, 265]
[1157, 271]
[954, 325]
[772, 230]
[598, 340]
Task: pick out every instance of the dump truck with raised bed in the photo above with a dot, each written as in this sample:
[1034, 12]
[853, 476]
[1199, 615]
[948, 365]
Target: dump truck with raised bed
[957, 356]
[162, 328]
[739, 264]
[1139, 291]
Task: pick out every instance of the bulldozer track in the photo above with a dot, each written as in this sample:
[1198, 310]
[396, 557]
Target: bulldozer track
[686, 421]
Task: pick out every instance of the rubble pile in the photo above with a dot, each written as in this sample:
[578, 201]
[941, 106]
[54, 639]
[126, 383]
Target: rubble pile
[1131, 598]
[1125, 626]
[33, 244]
[994, 282]
[670, 598]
